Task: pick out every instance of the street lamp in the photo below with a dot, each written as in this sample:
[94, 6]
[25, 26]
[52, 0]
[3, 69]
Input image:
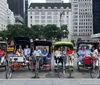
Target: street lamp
[61, 14]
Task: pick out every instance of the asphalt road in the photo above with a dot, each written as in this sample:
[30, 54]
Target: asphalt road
[25, 73]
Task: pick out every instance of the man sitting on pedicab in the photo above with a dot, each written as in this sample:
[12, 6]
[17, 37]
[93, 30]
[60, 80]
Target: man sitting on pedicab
[2, 56]
[27, 52]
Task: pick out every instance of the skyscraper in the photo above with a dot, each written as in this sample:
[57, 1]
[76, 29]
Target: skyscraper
[19, 7]
[96, 16]
[82, 19]
[3, 14]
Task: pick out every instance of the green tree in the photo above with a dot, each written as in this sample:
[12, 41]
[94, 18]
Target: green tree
[18, 30]
[51, 32]
[37, 31]
[3, 34]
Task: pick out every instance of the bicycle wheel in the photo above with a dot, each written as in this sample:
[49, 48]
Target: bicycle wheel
[94, 72]
[37, 69]
[9, 72]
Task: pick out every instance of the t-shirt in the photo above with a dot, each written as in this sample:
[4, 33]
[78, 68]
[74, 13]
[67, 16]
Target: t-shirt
[58, 53]
[2, 53]
[26, 51]
[69, 52]
[88, 52]
[37, 53]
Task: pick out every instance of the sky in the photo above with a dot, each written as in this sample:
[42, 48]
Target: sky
[42, 1]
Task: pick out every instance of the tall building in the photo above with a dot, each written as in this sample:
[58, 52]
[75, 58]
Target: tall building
[53, 1]
[96, 19]
[96, 16]
[82, 19]
[49, 13]
[19, 7]
[26, 12]
[11, 17]
[3, 14]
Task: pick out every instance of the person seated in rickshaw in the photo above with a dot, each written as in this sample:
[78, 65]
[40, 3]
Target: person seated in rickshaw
[2, 56]
[27, 52]
[88, 51]
[70, 54]
[20, 47]
[19, 53]
[58, 56]
[81, 53]
[94, 53]
[45, 56]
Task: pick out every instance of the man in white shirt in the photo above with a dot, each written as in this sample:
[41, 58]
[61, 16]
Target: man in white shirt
[27, 52]
[37, 52]
[36, 55]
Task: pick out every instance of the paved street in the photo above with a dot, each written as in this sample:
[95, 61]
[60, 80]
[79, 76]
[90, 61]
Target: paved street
[51, 82]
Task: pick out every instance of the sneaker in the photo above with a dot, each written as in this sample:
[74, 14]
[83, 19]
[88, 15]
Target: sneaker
[79, 63]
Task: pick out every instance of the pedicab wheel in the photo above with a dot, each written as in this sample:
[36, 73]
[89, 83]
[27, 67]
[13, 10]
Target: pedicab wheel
[9, 72]
[94, 72]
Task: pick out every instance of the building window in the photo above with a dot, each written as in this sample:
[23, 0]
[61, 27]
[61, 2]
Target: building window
[55, 17]
[36, 21]
[49, 21]
[36, 17]
[55, 21]
[36, 13]
[49, 13]
[42, 17]
[55, 13]
[42, 13]
[42, 21]
[31, 17]
[49, 17]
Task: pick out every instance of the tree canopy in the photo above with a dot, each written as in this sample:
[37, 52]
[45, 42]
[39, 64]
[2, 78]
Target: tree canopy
[48, 32]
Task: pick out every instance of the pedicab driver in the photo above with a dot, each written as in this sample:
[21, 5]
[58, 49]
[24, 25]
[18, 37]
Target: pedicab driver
[37, 53]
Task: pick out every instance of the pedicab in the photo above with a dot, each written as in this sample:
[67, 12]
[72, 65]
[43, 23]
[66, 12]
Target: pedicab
[16, 62]
[3, 48]
[67, 62]
[44, 66]
[89, 62]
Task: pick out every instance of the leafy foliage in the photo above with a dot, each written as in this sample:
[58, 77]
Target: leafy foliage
[48, 32]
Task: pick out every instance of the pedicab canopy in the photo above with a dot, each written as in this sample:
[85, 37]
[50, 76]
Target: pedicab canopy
[23, 41]
[48, 44]
[64, 44]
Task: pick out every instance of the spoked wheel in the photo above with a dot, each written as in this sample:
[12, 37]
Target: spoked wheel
[9, 72]
[37, 68]
[94, 72]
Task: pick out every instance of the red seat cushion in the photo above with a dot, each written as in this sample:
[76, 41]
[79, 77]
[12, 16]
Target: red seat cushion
[88, 60]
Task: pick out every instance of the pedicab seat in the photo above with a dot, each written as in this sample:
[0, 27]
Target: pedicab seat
[88, 60]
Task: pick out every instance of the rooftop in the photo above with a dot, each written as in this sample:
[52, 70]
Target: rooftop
[52, 5]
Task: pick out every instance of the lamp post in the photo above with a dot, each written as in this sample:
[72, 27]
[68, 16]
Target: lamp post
[61, 14]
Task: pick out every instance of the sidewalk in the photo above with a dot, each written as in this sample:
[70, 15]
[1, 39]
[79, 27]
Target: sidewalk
[50, 82]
